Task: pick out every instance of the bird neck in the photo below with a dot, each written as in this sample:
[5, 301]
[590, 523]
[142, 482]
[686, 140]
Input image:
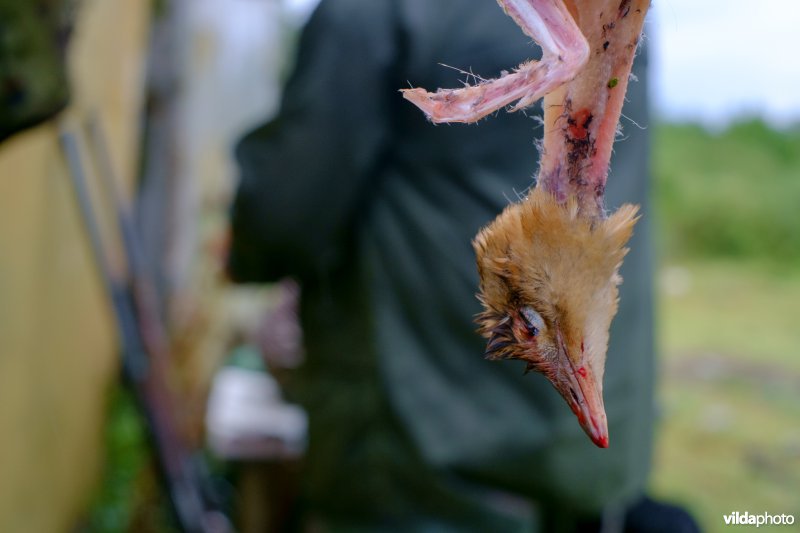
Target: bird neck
[581, 117]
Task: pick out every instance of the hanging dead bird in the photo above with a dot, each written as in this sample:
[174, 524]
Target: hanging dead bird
[549, 265]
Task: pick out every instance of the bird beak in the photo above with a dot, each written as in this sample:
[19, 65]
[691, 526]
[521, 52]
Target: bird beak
[579, 386]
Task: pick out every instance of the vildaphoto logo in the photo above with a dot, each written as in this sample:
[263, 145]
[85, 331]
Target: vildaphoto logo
[764, 519]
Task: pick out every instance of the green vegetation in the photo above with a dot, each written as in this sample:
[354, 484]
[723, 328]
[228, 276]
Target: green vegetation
[128, 498]
[728, 207]
[747, 311]
[734, 194]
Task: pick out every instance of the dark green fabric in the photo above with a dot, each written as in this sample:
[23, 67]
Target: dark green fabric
[373, 209]
[33, 78]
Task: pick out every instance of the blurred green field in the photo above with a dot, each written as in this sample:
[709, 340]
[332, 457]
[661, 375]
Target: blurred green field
[728, 210]
[734, 194]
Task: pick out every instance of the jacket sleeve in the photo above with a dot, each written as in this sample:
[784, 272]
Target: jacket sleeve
[304, 175]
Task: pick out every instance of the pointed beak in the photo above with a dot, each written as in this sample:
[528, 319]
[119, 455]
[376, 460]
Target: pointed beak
[586, 402]
[580, 388]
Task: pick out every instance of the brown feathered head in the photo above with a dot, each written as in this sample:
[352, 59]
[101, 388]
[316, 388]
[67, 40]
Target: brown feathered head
[549, 290]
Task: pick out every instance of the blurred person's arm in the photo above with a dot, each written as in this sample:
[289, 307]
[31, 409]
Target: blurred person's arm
[304, 173]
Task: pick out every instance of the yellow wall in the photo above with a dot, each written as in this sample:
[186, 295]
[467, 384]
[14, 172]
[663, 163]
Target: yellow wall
[57, 355]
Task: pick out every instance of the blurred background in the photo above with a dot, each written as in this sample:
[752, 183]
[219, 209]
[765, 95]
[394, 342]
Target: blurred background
[158, 92]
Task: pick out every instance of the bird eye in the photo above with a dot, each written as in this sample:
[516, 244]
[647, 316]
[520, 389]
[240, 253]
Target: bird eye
[533, 320]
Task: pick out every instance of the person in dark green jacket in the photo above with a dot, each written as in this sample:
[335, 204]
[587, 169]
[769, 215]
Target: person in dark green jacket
[353, 193]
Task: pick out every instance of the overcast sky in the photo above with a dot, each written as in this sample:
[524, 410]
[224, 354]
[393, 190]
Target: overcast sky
[715, 60]
[720, 58]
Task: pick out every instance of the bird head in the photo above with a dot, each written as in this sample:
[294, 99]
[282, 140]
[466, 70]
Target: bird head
[549, 280]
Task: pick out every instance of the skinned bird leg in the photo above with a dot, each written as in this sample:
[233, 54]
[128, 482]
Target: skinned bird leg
[564, 49]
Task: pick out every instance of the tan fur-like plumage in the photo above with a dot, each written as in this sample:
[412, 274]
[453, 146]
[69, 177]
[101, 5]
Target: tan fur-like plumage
[545, 255]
